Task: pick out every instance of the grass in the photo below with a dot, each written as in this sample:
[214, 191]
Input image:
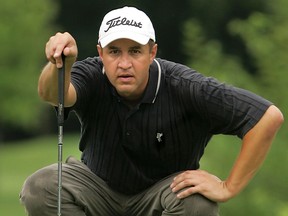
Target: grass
[20, 159]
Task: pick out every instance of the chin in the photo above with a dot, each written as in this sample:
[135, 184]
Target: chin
[124, 93]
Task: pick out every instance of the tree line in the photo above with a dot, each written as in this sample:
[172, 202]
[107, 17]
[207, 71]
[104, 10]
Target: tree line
[225, 39]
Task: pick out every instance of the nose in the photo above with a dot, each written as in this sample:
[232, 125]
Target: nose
[125, 61]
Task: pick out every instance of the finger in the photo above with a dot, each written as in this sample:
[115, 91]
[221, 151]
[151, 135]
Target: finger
[58, 55]
[49, 51]
[55, 47]
[189, 178]
[70, 52]
[54, 50]
[179, 178]
[188, 182]
[187, 192]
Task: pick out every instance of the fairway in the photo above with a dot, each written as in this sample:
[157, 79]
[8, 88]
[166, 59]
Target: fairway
[18, 160]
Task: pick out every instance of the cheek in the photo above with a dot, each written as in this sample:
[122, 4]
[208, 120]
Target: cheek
[143, 74]
[110, 75]
[110, 68]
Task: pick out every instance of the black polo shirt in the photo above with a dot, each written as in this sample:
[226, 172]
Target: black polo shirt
[166, 132]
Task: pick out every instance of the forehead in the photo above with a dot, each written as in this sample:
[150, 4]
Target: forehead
[124, 43]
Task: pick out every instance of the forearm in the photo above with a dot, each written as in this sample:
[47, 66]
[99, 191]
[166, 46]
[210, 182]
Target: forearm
[255, 147]
[48, 83]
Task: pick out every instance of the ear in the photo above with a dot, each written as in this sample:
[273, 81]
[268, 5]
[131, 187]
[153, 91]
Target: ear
[100, 51]
[153, 53]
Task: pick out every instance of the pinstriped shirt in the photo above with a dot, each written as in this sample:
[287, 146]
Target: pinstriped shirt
[167, 132]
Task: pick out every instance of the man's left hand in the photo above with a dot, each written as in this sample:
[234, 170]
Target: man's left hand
[202, 182]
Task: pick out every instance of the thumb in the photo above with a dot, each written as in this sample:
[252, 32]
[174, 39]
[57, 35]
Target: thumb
[70, 53]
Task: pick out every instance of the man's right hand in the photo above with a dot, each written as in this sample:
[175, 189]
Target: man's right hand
[58, 44]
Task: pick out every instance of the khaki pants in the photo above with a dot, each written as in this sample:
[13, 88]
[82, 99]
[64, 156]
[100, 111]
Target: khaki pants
[85, 194]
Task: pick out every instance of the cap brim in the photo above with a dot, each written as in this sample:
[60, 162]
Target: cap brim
[141, 39]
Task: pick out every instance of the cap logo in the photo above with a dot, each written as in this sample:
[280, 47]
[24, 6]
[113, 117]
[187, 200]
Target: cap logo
[124, 21]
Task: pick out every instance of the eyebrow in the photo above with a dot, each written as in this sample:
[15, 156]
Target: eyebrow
[112, 47]
[133, 47]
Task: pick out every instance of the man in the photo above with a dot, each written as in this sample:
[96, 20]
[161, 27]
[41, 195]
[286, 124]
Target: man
[144, 125]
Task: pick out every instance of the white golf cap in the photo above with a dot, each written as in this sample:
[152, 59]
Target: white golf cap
[126, 22]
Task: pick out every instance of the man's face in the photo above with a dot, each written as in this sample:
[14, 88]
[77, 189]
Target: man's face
[126, 64]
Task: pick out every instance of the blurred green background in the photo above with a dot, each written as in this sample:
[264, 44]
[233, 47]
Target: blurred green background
[243, 43]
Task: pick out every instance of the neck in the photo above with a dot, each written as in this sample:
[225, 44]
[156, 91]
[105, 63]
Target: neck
[131, 103]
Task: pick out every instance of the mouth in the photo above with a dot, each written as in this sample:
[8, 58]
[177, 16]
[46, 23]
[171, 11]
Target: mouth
[125, 77]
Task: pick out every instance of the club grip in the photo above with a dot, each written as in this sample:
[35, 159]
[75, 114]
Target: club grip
[61, 87]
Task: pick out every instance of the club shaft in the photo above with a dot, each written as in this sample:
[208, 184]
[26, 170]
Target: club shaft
[61, 88]
[60, 145]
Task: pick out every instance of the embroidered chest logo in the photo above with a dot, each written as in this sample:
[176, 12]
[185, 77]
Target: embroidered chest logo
[124, 21]
[159, 137]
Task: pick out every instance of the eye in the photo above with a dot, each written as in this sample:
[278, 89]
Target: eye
[114, 51]
[135, 51]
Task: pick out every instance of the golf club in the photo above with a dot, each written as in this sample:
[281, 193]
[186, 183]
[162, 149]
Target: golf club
[60, 117]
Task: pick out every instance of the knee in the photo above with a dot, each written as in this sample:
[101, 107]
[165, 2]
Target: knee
[198, 205]
[36, 187]
[194, 205]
